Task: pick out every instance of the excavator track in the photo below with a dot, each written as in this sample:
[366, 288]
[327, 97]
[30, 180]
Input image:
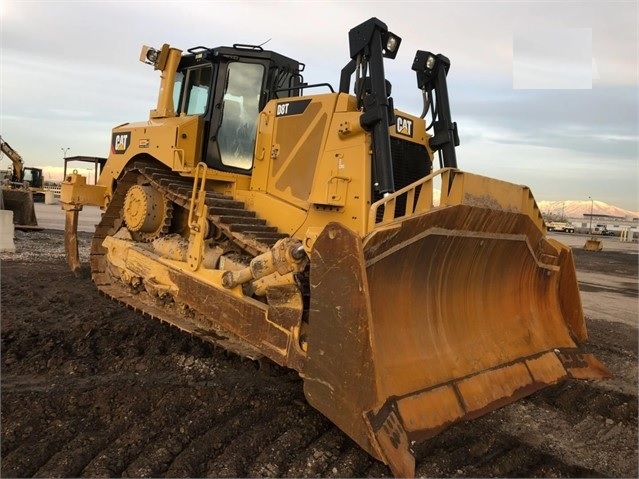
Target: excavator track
[249, 235]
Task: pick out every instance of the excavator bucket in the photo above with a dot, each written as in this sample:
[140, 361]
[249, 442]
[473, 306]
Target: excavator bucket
[439, 316]
[21, 203]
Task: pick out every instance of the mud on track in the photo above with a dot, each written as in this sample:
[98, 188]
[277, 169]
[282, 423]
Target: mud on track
[92, 389]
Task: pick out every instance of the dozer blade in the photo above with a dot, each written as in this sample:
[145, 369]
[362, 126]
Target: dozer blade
[435, 319]
[593, 244]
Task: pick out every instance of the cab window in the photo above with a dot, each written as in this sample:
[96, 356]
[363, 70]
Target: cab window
[240, 109]
[196, 91]
[177, 90]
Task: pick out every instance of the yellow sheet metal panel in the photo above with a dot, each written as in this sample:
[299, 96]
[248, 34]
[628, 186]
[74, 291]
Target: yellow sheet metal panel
[484, 192]
[298, 142]
[76, 191]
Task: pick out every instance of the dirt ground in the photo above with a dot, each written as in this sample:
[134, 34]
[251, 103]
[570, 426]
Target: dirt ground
[90, 388]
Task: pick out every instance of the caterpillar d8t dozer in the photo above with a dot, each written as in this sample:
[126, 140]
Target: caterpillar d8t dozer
[308, 226]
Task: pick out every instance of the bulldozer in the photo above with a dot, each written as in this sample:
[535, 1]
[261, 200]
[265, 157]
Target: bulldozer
[308, 226]
[19, 187]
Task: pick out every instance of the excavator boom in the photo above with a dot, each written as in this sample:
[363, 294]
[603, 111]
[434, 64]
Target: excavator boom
[16, 161]
[15, 195]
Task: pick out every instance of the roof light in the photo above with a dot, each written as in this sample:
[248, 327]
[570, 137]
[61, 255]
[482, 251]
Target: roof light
[152, 55]
[391, 43]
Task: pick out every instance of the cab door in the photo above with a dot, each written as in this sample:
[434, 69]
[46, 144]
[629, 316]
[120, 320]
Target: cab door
[232, 143]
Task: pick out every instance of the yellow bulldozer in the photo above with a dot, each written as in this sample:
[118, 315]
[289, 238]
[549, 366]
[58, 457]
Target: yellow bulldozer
[291, 221]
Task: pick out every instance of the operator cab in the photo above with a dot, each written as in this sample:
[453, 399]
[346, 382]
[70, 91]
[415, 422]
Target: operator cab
[33, 176]
[228, 87]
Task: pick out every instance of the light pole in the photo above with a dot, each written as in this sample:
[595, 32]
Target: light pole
[591, 203]
[65, 152]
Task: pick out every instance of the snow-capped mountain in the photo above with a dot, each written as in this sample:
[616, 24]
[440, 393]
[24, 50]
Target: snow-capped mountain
[576, 209]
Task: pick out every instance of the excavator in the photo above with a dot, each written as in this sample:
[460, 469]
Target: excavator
[18, 189]
[308, 226]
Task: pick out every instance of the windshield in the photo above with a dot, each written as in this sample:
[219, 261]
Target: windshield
[237, 132]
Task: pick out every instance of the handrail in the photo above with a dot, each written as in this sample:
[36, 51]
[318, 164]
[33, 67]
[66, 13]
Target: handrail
[198, 195]
[457, 188]
[418, 195]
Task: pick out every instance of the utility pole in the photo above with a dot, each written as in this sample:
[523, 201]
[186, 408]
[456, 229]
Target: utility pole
[591, 203]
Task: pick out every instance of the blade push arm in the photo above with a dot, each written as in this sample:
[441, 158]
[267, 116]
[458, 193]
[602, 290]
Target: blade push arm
[431, 75]
[370, 43]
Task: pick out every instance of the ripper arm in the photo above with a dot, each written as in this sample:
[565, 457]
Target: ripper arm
[74, 194]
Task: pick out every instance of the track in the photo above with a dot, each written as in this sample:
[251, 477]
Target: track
[238, 229]
[92, 389]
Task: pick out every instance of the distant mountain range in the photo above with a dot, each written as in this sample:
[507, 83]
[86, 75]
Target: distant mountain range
[577, 209]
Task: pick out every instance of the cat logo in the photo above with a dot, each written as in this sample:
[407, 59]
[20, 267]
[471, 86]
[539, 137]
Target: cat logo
[404, 126]
[120, 142]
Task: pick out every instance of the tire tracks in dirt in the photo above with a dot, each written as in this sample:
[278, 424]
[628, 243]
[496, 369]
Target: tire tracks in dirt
[89, 389]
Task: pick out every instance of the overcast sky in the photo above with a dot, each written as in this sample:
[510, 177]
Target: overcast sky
[544, 93]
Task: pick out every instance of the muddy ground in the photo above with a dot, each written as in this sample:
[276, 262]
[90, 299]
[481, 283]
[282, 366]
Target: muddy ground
[92, 389]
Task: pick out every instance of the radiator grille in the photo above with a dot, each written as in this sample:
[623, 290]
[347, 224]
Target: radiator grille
[410, 163]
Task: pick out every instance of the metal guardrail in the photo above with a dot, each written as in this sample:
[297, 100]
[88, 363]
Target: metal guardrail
[457, 188]
[418, 198]
[55, 188]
